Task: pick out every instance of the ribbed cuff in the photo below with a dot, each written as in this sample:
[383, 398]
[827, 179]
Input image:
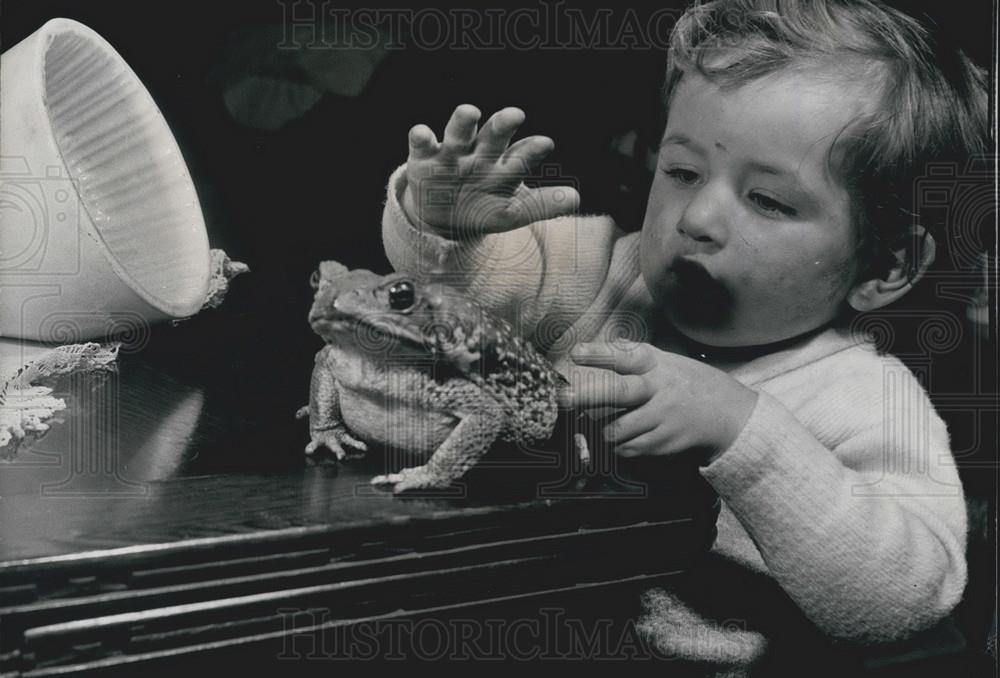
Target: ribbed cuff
[416, 242]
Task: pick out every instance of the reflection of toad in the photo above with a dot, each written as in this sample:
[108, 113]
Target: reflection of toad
[422, 368]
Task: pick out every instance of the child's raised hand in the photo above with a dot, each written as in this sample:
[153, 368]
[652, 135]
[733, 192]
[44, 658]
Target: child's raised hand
[470, 182]
[671, 403]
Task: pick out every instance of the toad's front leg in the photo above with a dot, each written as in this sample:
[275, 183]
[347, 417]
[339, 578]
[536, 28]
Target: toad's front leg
[326, 425]
[477, 429]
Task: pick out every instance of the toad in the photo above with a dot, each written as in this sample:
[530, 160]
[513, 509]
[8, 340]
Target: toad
[420, 367]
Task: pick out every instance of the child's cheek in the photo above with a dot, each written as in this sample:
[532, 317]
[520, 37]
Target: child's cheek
[816, 291]
[654, 250]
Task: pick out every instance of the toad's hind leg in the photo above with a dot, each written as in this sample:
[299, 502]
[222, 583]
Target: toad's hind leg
[476, 431]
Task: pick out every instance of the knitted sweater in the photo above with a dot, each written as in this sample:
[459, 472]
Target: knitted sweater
[841, 488]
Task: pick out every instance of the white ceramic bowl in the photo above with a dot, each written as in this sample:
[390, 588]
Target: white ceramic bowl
[100, 225]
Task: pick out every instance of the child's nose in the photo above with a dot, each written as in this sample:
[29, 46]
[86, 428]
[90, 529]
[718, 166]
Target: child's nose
[702, 219]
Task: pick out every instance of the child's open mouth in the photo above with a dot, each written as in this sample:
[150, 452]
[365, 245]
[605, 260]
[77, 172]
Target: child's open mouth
[696, 296]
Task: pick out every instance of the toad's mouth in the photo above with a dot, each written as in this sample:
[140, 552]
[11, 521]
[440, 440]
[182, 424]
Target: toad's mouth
[372, 331]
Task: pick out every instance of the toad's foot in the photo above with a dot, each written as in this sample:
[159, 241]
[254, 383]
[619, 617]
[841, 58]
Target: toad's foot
[416, 478]
[335, 440]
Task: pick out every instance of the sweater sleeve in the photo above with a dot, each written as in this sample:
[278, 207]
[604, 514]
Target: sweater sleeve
[522, 275]
[868, 537]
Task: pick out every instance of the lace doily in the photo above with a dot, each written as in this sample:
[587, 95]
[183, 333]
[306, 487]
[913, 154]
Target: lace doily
[26, 406]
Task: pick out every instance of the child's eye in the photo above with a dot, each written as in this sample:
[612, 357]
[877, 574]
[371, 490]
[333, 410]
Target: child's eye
[682, 176]
[768, 204]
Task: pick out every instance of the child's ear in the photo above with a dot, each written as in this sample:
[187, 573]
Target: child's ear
[878, 292]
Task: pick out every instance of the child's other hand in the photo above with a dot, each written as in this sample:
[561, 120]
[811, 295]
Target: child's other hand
[672, 403]
[471, 181]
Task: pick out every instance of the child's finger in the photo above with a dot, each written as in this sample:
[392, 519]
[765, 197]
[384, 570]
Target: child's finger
[526, 154]
[498, 130]
[460, 131]
[629, 426]
[624, 357]
[423, 143]
[640, 445]
[613, 390]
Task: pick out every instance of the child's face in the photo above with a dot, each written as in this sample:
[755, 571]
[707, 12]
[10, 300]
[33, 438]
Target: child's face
[747, 237]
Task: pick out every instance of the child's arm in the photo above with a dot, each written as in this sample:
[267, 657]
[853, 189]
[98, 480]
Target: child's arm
[459, 209]
[866, 534]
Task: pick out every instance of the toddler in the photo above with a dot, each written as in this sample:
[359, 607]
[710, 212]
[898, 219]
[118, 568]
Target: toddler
[781, 206]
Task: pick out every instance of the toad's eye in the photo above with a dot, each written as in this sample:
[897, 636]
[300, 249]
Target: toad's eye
[314, 279]
[401, 295]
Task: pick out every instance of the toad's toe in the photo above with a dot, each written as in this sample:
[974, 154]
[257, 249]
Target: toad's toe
[408, 479]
